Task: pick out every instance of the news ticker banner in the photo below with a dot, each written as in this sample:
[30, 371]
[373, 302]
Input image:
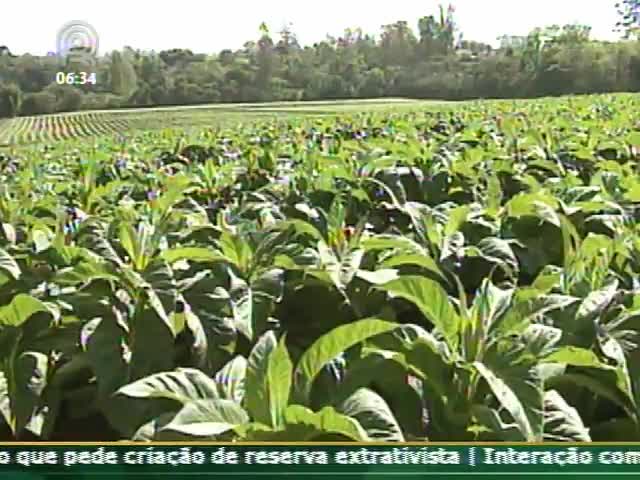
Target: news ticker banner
[31, 461]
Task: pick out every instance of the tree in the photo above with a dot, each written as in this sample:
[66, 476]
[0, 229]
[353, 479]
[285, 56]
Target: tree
[574, 34]
[177, 57]
[10, 99]
[437, 37]
[288, 41]
[265, 58]
[68, 98]
[123, 75]
[5, 52]
[38, 103]
[629, 11]
[31, 73]
[398, 43]
[373, 85]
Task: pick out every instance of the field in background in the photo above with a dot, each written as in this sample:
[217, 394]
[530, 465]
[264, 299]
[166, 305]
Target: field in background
[66, 126]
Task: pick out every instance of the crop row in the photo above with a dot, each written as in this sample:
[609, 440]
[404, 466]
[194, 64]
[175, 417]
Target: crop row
[59, 127]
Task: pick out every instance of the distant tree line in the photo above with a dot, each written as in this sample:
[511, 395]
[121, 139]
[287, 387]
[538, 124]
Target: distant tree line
[432, 62]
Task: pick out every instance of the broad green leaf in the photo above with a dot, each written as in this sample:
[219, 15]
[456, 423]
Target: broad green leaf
[151, 343]
[330, 265]
[490, 305]
[102, 338]
[432, 301]
[192, 254]
[541, 339]
[183, 385]
[494, 195]
[9, 265]
[606, 380]
[549, 277]
[547, 213]
[9, 232]
[577, 357]
[163, 292]
[257, 400]
[488, 420]
[431, 360]
[208, 418]
[421, 260]
[236, 250]
[5, 401]
[21, 308]
[156, 304]
[280, 378]
[93, 236]
[243, 303]
[452, 246]
[327, 421]
[497, 250]
[329, 346]
[44, 421]
[128, 240]
[609, 383]
[570, 239]
[84, 272]
[374, 415]
[456, 219]
[349, 266]
[633, 138]
[41, 240]
[533, 204]
[596, 302]
[303, 228]
[30, 377]
[518, 395]
[562, 422]
[153, 428]
[242, 297]
[231, 380]
[270, 284]
[363, 371]
[531, 303]
[385, 242]
[378, 277]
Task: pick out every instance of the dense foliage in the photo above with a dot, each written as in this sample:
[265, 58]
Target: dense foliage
[431, 61]
[469, 273]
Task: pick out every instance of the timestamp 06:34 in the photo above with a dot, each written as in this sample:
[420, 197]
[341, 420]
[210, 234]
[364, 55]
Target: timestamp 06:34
[76, 78]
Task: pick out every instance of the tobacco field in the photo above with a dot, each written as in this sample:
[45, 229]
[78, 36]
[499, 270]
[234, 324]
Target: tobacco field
[458, 273]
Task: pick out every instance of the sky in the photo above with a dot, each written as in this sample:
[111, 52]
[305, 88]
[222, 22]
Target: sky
[205, 26]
